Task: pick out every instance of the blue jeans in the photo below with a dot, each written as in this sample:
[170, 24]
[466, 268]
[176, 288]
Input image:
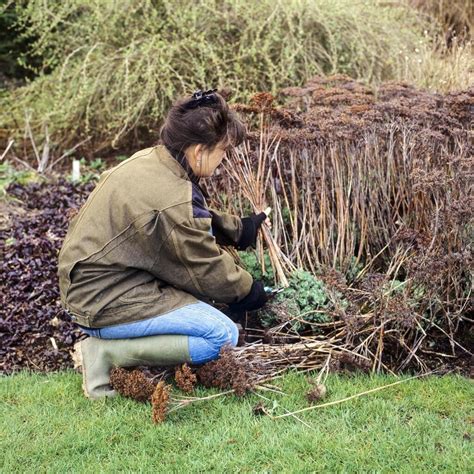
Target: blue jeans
[208, 330]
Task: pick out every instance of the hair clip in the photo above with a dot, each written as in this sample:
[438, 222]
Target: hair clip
[202, 98]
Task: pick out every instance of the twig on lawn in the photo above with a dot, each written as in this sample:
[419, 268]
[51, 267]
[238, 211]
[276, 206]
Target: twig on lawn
[185, 401]
[336, 402]
[287, 412]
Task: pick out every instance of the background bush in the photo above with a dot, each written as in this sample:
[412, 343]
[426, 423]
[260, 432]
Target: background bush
[15, 62]
[112, 68]
[456, 17]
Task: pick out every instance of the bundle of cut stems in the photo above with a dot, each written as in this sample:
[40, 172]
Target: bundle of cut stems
[253, 185]
[270, 360]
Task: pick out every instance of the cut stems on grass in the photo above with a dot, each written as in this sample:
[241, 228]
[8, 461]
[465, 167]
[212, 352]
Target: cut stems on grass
[357, 395]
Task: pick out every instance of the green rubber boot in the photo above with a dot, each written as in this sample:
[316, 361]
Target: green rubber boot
[98, 356]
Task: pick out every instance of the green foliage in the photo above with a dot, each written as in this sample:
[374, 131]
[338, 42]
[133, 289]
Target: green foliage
[115, 67]
[90, 170]
[15, 62]
[250, 262]
[307, 291]
[306, 298]
[395, 286]
[353, 269]
[98, 164]
[9, 174]
[122, 157]
[286, 215]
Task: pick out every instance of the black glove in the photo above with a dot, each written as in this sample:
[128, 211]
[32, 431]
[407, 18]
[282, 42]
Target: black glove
[250, 226]
[254, 300]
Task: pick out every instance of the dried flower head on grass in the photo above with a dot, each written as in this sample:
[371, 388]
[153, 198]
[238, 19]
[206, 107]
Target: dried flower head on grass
[316, 393]
[185, 378]
[160, 399]
[227, 372]
[133, 384]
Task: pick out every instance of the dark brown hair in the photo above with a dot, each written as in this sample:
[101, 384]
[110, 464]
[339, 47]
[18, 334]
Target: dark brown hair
[208, 124]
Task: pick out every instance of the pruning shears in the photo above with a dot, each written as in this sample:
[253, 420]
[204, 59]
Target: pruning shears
[271, 292]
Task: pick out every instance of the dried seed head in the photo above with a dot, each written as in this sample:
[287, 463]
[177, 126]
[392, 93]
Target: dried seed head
[159, 402]
[259, 409]
[185, 378]
[227, 372]
[262, 100]
[133, 384]
[318, 392]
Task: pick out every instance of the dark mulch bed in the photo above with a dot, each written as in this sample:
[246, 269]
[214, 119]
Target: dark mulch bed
[35, 332]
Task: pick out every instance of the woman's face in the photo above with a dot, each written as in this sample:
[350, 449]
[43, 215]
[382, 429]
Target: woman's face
[204, 161]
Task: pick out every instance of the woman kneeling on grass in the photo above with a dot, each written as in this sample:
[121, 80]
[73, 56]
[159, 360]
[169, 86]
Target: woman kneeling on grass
[141, 260]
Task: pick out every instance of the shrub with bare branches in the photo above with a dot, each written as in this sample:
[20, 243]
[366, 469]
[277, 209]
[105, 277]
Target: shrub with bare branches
[376, 187]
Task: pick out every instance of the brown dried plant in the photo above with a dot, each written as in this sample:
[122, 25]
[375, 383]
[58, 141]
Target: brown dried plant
[368, 182]
[228, 372]
[185, 378]
[160, 399]
[316, 393]
[133, 384]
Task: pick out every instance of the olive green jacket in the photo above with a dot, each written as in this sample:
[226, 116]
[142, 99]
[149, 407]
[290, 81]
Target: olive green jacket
[142, 245]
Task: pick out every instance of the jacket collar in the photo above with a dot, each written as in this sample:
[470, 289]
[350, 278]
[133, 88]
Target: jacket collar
[180, 157]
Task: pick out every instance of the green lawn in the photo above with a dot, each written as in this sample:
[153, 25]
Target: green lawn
[421, 425]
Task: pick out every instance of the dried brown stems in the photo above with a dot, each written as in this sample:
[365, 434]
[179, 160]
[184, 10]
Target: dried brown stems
[374, 187]
[228, 372]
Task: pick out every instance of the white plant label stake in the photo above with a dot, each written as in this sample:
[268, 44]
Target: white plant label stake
[76, 170]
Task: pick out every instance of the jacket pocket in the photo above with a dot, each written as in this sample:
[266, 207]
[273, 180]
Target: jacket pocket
[146, 292]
